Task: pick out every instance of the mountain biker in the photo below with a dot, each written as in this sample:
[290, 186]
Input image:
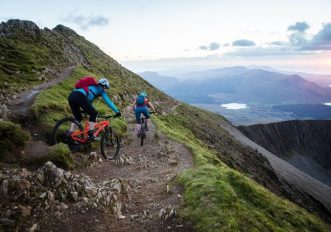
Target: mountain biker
[140, 106]
[79, 98]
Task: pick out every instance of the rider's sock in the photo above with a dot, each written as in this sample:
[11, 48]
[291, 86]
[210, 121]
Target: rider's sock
[91, 125]
[73, 127]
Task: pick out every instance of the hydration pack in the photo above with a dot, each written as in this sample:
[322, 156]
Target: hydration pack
[140, 100]
[85, 82]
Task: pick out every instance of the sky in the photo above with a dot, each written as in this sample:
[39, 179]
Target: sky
[194, 34]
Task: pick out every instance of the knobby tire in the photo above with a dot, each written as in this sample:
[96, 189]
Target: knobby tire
[57, 135]
[142, 133]
[110, 144]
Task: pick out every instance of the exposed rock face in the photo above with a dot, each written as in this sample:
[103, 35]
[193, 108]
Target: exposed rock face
[307, 138]
[9, 29]
[65, 30]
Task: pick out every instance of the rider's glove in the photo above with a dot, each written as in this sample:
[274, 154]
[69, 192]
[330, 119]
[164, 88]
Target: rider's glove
[118, 114]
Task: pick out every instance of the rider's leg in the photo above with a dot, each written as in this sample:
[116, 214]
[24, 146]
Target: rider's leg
[92, 120]
[75, 99]
[147, 115]
[88, 108]
[73, 127]
[137, 113]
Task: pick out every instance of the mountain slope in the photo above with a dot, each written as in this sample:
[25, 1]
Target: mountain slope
[304, 144]
[162, 82]
[231, 186]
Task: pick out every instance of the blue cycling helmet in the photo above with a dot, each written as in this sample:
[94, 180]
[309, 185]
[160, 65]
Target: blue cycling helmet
[103, 82]
[143, 93]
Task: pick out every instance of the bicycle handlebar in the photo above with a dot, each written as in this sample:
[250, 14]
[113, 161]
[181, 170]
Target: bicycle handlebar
[104, 116]
[107, 116]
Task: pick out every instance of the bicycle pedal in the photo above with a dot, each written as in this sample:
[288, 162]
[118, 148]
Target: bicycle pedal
[92, 139]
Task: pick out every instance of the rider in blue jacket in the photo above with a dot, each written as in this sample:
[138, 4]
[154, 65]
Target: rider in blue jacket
[140, 106]
[80, 99]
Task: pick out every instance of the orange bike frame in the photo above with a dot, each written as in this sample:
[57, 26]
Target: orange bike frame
[99, 126]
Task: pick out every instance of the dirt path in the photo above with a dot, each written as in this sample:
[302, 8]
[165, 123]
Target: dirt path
[151, 201]
[21, 111]
[21, 106]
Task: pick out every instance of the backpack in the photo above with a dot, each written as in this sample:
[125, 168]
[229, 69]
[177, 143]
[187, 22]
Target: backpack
[140, 100]
[85, 82]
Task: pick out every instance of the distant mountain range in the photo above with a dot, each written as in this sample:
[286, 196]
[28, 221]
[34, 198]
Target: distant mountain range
[240, 84]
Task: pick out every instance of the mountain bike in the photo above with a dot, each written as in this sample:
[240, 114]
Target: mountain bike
[110, 142]
[142, 132]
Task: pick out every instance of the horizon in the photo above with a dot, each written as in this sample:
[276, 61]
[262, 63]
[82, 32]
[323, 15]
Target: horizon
[151, 35]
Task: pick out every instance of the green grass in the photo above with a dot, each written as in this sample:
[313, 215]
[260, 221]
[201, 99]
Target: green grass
[60, 155]
[52, 104]
[219, 198]
[12, 136]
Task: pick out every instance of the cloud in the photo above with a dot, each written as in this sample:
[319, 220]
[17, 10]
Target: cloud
[323, 38]
[299, 27]
[203, 47]
[85, 22]
[278, 43]
[263, 52]
[243, 43]
[298, 36]
[321, 41]
[211, 47]
[298, 39]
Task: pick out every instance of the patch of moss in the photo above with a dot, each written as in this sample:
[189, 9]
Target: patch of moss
[12, 136]
[60, 155]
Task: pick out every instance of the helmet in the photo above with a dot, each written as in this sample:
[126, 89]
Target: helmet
[143, 93]
[103, 82]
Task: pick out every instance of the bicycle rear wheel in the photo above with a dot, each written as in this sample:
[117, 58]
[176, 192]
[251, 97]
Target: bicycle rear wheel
[110, 144]
[143, 133]
[61, 134]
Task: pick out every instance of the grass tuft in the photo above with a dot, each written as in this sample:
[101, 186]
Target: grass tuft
[11, 135]
[60, 155]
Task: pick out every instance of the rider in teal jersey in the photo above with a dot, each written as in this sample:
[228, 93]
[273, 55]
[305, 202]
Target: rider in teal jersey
[78, 99]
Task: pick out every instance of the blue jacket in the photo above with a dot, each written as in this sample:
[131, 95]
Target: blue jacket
[96, 91]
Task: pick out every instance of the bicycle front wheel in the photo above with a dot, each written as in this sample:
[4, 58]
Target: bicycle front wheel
[61, 134]
[110, 144]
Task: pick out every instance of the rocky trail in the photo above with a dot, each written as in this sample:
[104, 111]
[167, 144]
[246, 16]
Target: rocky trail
[133, 193]
[150, 201]
[20, 105]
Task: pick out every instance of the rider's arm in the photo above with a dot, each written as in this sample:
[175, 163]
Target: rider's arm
[150, 105]
[134, 105]
[109, 102]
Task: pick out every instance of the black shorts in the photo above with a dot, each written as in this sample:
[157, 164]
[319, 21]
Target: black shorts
[78, 101]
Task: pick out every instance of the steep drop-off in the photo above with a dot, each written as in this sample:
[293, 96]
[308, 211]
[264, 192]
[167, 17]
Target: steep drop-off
[304, 144]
